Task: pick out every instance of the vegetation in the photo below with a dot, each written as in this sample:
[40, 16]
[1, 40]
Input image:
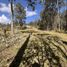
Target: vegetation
[42, 43]
[50, 13]
[20, 14]
[12, 15]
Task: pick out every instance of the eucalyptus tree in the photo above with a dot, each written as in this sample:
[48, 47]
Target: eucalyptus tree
[60, 3]
[65, 19]
[51, 8]
[48, 13]
[12, 14]
[20, 14]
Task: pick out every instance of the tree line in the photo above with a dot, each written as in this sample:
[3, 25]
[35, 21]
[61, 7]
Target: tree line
[51, 17]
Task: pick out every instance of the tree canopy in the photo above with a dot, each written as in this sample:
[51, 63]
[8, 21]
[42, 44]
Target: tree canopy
[20, 14]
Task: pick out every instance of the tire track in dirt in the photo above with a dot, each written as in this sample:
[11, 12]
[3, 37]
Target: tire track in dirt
[51, 51]
[18, 58]
[50, 54]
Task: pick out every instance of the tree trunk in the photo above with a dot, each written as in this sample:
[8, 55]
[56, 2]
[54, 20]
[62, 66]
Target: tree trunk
[12, 30]
[12, 16]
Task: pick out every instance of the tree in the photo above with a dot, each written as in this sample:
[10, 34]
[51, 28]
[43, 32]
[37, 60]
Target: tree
[65, 19]
[20, 14]
[60, 3]
[48, 14]
[51, 9]
[12, 15]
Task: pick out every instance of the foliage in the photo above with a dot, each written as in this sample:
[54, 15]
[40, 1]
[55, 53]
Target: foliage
[20, 14]
[49, 14]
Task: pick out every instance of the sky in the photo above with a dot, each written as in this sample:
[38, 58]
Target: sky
[5, 12]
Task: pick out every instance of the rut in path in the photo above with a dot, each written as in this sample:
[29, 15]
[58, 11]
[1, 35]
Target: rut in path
[18, 58]
[44, 49]
[51, 55]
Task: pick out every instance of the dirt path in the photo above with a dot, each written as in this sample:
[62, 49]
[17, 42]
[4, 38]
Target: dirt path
[38, 50]
[45, 51]
[10, 51]
[18, 58]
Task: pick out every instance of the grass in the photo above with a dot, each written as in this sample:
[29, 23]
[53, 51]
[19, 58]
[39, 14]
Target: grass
[34, 40]
[33, 30]
[63, 36]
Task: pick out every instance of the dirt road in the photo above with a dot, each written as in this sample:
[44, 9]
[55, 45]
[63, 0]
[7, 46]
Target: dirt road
[38, 50]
